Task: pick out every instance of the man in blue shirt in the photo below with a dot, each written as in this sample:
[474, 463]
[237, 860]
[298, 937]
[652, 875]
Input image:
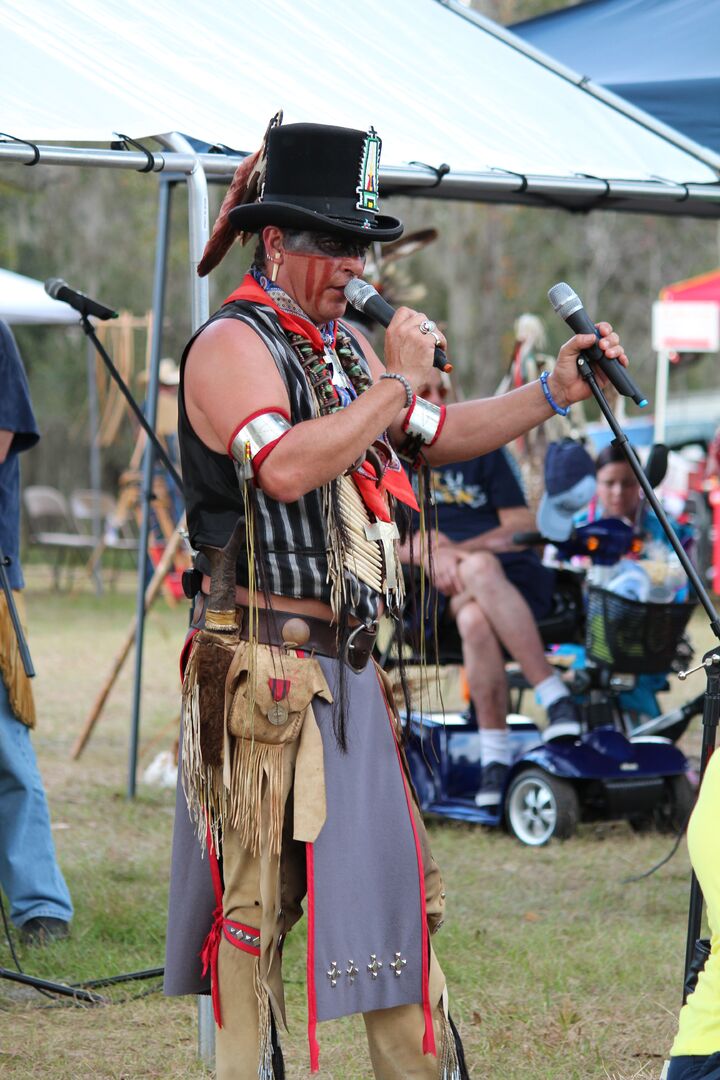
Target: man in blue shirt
[40, 903]
[494, 592]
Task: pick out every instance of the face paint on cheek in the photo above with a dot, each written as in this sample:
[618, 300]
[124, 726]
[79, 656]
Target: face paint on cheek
[318, 274]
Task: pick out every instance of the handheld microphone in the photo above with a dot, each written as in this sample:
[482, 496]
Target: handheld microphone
[60, 290]
[363, 296]
[568, 305]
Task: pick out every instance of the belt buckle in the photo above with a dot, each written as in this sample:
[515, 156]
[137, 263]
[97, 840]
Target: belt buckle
[350, 646]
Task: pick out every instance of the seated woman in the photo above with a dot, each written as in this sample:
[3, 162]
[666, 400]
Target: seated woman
[619, 495]
[695, 1054]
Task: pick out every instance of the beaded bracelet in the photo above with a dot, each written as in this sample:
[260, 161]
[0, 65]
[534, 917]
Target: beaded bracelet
[409, 395]
[550, 399]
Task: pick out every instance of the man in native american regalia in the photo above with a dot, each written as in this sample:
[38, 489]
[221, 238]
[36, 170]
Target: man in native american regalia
[295, 787]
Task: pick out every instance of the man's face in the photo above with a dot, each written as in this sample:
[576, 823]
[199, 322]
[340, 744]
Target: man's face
[316, 268]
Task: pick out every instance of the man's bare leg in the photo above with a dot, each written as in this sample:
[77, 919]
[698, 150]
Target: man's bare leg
[485, 673]
[507, 612]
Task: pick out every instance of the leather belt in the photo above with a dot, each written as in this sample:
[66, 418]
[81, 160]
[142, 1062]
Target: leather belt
[289, 630]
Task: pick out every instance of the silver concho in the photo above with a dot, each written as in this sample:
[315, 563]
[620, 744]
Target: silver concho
[278, 714]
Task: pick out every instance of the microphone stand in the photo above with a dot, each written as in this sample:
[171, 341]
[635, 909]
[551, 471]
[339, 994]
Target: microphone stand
[137, 412]
[710, 661]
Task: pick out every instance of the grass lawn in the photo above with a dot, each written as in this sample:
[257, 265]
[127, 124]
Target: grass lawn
[557, 969]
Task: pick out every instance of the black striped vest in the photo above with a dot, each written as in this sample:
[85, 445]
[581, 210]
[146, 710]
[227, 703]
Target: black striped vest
[292, 534]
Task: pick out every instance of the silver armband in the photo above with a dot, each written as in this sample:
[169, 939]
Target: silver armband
[257, 434]
[424, 421]
[422, 426]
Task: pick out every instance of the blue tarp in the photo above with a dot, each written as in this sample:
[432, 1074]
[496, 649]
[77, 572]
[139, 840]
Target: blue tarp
[661, 55]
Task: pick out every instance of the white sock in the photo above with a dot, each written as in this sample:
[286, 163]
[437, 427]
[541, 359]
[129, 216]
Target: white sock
[494, 746]
[550, 690]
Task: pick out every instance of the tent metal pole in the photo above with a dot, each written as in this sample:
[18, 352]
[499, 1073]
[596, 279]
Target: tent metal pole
[197, 190]
[199, 231]
[158, 307]
[661, 392]
[499, 185]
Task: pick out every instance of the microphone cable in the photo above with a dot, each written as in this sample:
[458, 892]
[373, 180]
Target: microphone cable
[80, 991]
[666, 859]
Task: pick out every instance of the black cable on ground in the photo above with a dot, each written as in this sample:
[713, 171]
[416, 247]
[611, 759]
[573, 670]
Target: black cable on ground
[666, 859]
[49, 988]
[79, 991]
[149, 973]
[8, 938]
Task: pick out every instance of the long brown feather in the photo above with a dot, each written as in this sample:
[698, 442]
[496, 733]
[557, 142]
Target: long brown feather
[245, 188]
[223, 234]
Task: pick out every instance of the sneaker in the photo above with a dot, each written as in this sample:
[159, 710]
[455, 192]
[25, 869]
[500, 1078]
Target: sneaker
[563, 719]
[491, 787]
[43, 930]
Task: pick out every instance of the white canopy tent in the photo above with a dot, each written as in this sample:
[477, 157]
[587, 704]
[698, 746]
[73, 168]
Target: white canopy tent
[24, 300]
[439, 83]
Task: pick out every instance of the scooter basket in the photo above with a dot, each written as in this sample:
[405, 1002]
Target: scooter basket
[633, 637]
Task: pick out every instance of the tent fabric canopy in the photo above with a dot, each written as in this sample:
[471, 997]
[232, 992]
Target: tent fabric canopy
[24, 300]
[437, 85]
[661, 55]
[704, 287]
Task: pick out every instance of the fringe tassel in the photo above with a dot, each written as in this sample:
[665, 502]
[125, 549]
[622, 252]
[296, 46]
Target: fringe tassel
[12, 671]
[278, 1060]
[204, 790]
[459, 1050]
[449, 1066]
[265, 1029]
[252, 763]
[336, 562]
[252, 610]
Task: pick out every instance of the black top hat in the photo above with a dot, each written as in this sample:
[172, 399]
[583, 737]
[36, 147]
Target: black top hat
[321, 178]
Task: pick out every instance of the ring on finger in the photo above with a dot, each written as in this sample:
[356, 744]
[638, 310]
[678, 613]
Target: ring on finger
[427, 326]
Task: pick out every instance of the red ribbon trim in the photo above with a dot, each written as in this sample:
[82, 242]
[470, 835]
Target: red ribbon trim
[244, 946]
[312, 998]
[185, 652]
[211, 945]
[428, 1043]
[279, 688]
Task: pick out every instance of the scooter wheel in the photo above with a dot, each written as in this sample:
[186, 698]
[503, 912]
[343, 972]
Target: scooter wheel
[539, 806]
[674, 812]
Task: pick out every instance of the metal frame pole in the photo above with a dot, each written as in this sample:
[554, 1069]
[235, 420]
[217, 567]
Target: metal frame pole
[158, 306]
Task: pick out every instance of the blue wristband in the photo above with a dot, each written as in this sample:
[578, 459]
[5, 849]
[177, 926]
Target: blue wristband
[550, 399]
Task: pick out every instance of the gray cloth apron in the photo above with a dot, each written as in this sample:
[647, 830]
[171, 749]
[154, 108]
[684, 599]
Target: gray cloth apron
[367, 877]
[365, 891]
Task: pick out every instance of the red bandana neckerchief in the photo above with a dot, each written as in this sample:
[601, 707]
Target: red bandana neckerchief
[394, 481]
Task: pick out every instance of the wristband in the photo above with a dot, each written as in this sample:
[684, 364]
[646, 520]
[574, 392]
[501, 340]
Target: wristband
[549, 398]
[400, 378]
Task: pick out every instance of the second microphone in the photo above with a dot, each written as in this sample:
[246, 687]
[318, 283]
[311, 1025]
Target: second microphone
[364, 297]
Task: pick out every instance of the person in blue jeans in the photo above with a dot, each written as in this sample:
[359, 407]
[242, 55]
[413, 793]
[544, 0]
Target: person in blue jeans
[30, 877]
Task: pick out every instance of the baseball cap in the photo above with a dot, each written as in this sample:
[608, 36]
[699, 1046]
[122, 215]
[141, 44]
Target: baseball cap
[569, 486]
